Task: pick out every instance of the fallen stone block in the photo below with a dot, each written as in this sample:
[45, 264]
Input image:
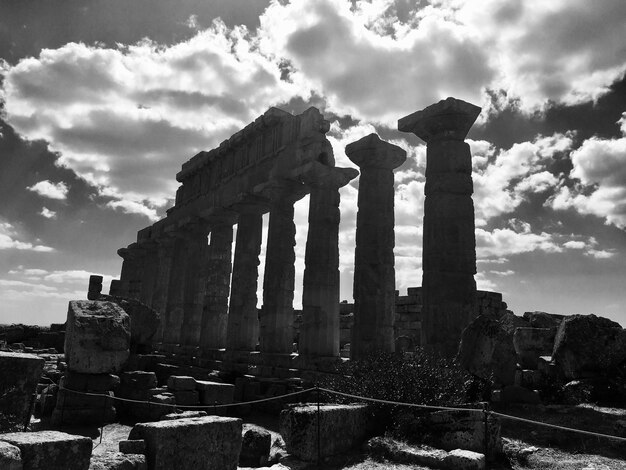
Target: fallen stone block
[137, 446]
[19, 375]
[487, 350]
[586, 345]
[139, 379]
[214, 392]
[51, 450]
[342, 427]
[577, 392]
[10, 457]
[89, 382]
[144, 323]
[459, 459]
[207, 443]
[118, 461]
[97, 337]
[532, 343]
[181, 383]
[255, 446]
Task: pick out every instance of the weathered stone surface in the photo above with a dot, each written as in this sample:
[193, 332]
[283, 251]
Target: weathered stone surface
[89, 382]
[97, 337]
[51, 450]
[139, 379]
[400, 452]
[450, 430]
[95, 287]
[214, 392]
[342, 427]
[243, 320]
[543, 319]
[207, 443]
[10, 457]
[118, 461]
[586, 345]
[449, 252]
[255, 446]
[532, 343]
[181, 382]
[510, 322]
[374, 272]
[19, 374]
[487, 350]
[132, 447]
[144, 324]
[184, 415]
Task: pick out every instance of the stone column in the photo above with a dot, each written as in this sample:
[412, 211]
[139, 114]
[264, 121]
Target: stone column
[374, 273]
[132, 269]
[319, 332]
[195, 284]
[176, 292]
[165, 255]
[215, 305]
[449, 255]
[243, 319]
[276, 334]
[150, 272]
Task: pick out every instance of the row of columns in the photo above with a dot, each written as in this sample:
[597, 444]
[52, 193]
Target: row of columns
[189, 280]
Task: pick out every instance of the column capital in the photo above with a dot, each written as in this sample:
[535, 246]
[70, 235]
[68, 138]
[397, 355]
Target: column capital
[318, 175]
[371, 152]
[450, 119]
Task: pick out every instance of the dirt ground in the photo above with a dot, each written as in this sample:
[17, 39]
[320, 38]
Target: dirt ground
[526, 446]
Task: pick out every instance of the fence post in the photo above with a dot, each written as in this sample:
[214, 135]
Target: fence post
[318, 428]
[486, 433]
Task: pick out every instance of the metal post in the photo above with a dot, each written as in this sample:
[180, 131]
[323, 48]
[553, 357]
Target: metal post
[486, 422]
[318, 428]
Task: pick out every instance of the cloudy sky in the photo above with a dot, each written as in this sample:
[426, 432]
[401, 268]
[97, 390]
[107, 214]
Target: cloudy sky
[102, 101]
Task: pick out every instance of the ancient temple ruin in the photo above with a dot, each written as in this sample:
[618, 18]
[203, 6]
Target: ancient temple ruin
[181, 266]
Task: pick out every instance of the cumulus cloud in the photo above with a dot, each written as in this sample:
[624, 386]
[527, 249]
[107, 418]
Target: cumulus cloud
[503, 179]
[599, 165]
[512, 241]
[50, 190]
[47, 213]
[125, 119]
[133, 207]
[9, 240]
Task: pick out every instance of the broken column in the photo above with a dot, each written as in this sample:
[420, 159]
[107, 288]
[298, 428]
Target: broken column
[449, 254]
[132, 270]
[374, 273]
[217, 289]
[243, 319]
[319, 332]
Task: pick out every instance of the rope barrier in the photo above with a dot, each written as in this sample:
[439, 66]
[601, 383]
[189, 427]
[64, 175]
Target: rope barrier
[555, 426]
[356, 397]
[388, 402]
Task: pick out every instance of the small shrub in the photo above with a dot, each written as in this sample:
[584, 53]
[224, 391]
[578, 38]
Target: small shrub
[418, 378]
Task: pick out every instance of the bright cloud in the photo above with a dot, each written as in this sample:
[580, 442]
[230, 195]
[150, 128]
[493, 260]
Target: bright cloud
[50, 190]
[8, 240]
[600, 167]
[47, 213]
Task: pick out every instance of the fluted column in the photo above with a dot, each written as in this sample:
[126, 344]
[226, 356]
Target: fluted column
[243, 319]
[276, 334]
[374, 273]
[165, 256]
[195, 284]
[176, 292]
[215, 305]
[132, 269]
[319, 331]
[150, 273]
[449, 254]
